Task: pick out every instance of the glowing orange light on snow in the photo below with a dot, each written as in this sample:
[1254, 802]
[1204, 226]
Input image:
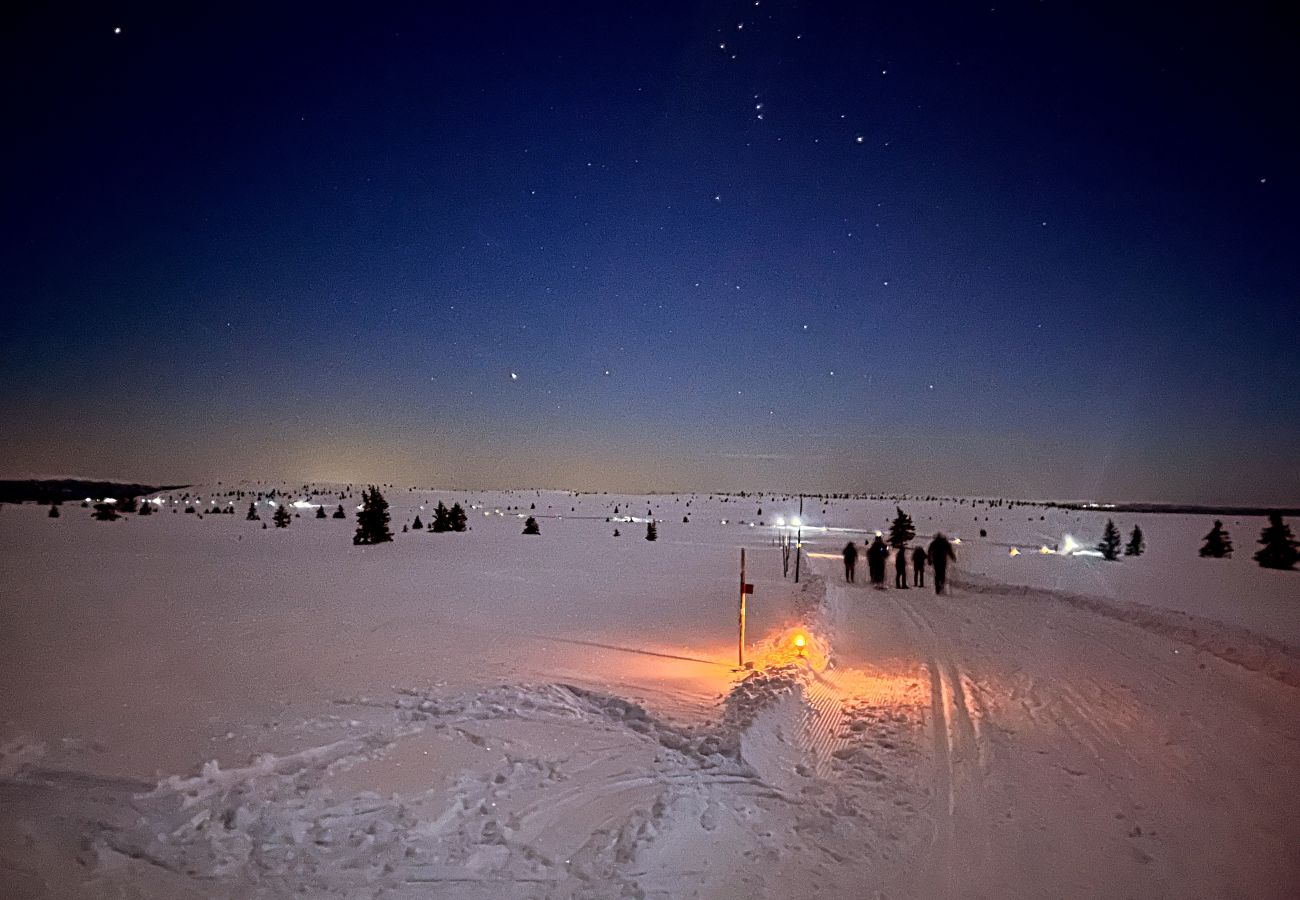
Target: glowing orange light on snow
[800, 641]
[1015, 552]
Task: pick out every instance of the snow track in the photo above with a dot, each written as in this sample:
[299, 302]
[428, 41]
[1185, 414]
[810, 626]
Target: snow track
[1074, 754]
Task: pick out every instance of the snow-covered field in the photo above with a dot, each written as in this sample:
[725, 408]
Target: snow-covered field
[200, 707]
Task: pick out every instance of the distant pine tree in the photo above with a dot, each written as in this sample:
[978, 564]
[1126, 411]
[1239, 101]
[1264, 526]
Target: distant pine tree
[105, 512]
[339, 513]
[1278, 547]
[457, 518]
[320, 512]
[686, 520]
[252, 512]
[126, 504]
[281, 517]
[901, 530]
[617, 533]
[1217, 543]
[146, 508]
[651, 532]
[530, 527]
[417, 524]
[54, 511]
[1135, 546]
[441, 519]
[372, 520]
[1110, 541]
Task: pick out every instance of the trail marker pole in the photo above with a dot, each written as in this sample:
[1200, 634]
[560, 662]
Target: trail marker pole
[744, 589]
[798, 545]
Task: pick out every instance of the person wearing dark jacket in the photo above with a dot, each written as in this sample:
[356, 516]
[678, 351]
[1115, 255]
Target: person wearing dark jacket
[918, 566]
[877, 555]
[941, 553]
[850, 560]
[900, 568]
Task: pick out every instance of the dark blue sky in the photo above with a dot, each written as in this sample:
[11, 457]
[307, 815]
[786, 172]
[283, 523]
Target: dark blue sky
[1029, 249]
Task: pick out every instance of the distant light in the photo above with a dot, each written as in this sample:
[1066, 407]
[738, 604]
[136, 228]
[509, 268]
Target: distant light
[1014, 552]
[117, 30]
[780, 523]
[879, 533]
[795, 523]
[800, 641]
[956, 540]
[514, 377]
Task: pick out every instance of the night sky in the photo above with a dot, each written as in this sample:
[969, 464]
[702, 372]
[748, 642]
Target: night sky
[1036, 249]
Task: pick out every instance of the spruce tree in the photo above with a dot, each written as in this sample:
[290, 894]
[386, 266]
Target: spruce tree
[339, 513]
[252, 512]
[105, 512]
[281, 517]
[901, 530]
[320, 512]
[457, 518]
[1136, 545]
[54, 510]
[372, 520]
[146, 508]
[417, 524]
[651, 532]
[126, 504]
[1278, 547]
[1110, 540]
[441, 519]
[1217, 543]
[530, 527]
[617, 533]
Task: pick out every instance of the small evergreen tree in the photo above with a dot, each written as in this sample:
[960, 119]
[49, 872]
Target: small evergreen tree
[1110, 540]
[252, 512]
[54, 510]
[901, 530]
[617, 533]
[651, 532]
[1136, 545]
[441, 519]
[339, 513]
[1217, 543]
[372, 520]
[1278, 547]
[320, 512]
[281, 517]
[105, 512]
[126, 504]
[417, 524]
[530, 527]
[146, 508]
[457, 518]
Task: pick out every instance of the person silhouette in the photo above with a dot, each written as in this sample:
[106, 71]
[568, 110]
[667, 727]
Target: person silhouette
[941, 553]
[918, 566]
[850, 561]
[877, 555]
[900, 568]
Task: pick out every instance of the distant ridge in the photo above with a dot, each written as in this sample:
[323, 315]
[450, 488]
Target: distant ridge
[1183, 508]
[72, 489]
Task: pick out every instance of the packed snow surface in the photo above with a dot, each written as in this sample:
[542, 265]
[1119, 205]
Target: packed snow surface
[196, 706]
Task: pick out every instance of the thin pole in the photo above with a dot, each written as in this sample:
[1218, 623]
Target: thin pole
[798, 546]
[740, 647]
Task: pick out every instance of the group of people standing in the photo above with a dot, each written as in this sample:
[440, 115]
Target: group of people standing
[939, 554]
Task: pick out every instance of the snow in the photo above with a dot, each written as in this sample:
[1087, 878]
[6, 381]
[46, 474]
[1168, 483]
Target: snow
[200, 707]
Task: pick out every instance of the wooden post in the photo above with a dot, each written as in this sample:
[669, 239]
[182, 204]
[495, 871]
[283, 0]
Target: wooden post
[741, 643]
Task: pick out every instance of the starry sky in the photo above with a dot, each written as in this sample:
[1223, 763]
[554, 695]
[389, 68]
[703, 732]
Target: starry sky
[1029, 249]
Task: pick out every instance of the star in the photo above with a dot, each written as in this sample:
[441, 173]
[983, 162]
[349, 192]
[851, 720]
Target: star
[860, 139]
[117, 30]
[514, 377]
